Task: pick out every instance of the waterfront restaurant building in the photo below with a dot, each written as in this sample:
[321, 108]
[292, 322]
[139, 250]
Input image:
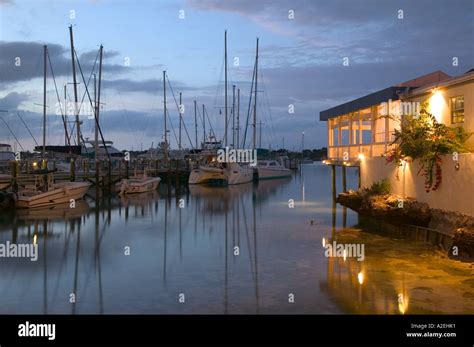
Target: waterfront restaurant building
[359, 134]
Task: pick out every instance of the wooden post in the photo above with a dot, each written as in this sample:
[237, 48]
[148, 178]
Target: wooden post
[333, 170]
[72, 170]
[360, 177]
[109, 172]
[127, 169]
[15, 170]
[344, 217]
[97, 169]
[344, 180]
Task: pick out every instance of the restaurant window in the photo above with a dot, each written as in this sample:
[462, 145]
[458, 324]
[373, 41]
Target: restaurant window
[457, 109]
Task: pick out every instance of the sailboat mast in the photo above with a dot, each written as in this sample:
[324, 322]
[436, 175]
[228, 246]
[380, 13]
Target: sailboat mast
[96, 133]
[225, 83]
[76, 111]
[44, 101]
[165, 150]
[255, 101]
[195, 123]
[204, 123]
[66, 137]
[238, 117]
[98, 102]
[233, 116]
[180, 117]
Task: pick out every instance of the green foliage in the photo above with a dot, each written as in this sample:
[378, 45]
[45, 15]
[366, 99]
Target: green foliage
[380, 188]
[422, 137]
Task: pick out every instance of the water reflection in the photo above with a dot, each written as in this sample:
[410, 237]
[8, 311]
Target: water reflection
[398, 277]
[228, 250]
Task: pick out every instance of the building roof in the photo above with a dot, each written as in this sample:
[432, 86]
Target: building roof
[383, 95]
[363, 102]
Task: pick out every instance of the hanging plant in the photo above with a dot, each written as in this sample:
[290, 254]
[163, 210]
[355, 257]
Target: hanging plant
[423, 137]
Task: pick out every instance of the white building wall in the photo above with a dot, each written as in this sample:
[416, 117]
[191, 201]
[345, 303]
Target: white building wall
[456, 192]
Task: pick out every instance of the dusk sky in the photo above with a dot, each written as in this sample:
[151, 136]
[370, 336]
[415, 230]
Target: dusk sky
[300, 62]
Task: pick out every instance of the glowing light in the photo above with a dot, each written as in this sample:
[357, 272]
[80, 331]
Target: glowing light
[35, 164]
[360, 277]
[437, 105]
[35, 239]
[402, 303]
[361, 156]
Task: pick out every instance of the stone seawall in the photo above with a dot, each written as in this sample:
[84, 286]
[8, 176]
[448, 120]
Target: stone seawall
[395, 210]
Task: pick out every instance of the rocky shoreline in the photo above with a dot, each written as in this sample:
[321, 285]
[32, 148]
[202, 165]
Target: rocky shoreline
[396, 210]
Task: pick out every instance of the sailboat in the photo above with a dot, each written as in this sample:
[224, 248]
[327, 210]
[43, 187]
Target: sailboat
[45, 192]
[225, 173]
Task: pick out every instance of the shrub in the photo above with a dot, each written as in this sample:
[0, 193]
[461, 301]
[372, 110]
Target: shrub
[380, 188]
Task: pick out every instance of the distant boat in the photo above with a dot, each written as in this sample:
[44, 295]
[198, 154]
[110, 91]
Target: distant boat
[306, 161]
[137, 184]
[268, 169]
[48, 194]
[89, 149]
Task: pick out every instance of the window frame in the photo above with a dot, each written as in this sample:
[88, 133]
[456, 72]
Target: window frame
[453, 111]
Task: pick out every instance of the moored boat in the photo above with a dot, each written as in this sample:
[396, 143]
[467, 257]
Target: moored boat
[269, 169]
[137, 184]
[222, 173]
[56, 193]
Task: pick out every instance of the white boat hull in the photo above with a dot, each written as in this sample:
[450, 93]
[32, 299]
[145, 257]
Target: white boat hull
[206, 175]
[136, 186]
[265, 173]
[244, 174]
[227, 176]
[62, 193]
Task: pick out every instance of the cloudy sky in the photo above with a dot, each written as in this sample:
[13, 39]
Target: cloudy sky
[301, 60]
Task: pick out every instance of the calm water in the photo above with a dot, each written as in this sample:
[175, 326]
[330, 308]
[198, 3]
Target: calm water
[191, 251]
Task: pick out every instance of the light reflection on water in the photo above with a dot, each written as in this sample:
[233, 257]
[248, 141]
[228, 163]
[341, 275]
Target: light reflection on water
[228, 250]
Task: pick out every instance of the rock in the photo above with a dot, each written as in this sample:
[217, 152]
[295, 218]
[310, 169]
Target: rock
[392, 208]
[449, 221]
[463, 244]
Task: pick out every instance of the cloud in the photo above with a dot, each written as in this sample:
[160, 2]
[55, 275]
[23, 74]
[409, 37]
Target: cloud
[23, 61]
[12, 100]
[147, 86]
